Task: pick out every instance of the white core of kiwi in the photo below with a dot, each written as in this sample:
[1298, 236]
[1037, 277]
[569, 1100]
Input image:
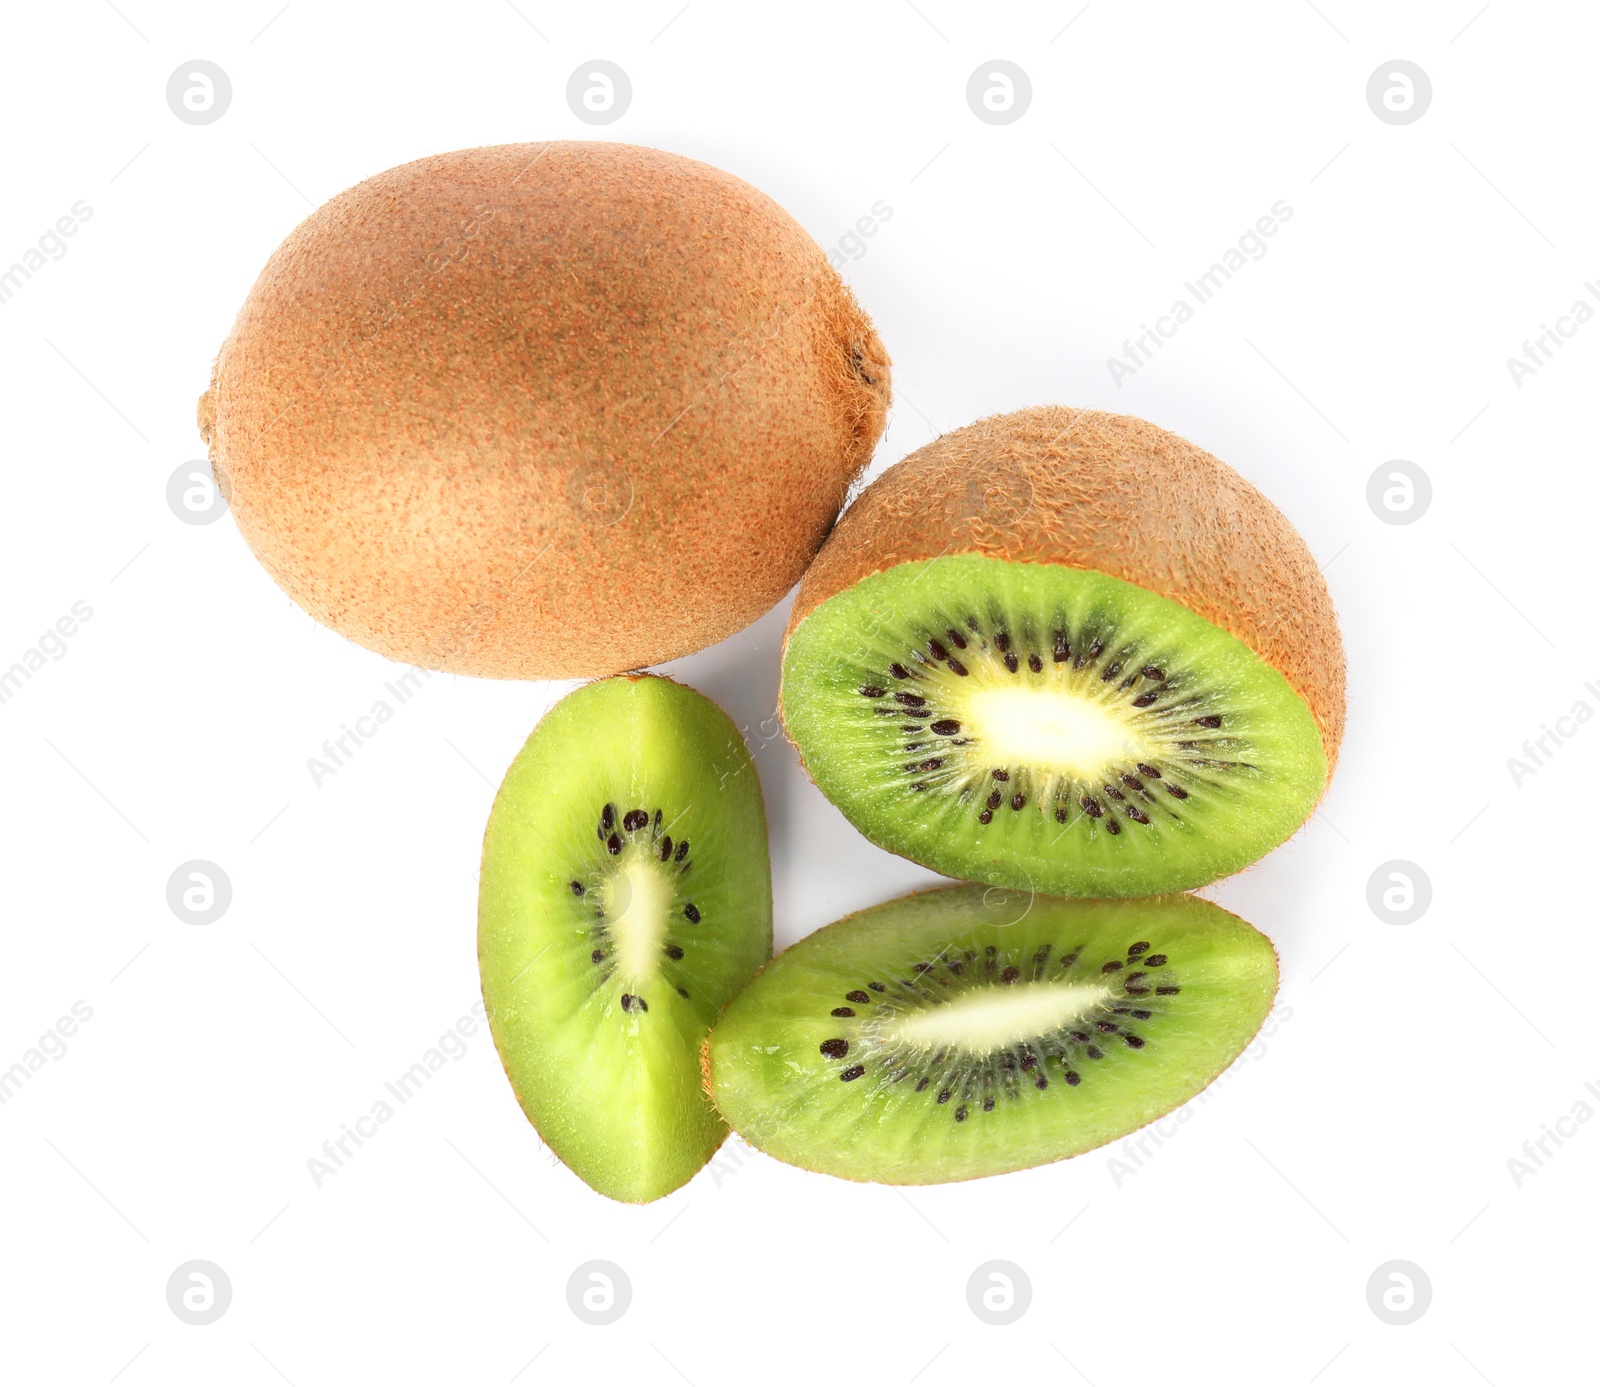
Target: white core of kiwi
[638, 902]
[997, 1018]
[1052, 730]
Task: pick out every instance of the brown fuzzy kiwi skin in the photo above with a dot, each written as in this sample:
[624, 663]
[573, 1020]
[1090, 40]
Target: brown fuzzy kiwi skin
[1111, 493]
[544, 410]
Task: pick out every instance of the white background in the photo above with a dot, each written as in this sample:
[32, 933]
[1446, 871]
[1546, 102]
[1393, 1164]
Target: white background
[1408, 1063]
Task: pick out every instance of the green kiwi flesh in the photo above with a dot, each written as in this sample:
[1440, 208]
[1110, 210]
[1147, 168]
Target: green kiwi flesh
[1047, 728]
[964, 1032]
[625, 896]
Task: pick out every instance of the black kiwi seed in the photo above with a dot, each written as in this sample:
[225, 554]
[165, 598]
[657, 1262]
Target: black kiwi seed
[1036, 664]
[1210, 720]
[956, 667]
[1018, 800]
[1132, 781]
[597, 956]
[899, 671]
[691, 913]
[1139, 1014]
[987, 816]
[613, 845]
[910, 700]
[1150, 771]
[988, 1105]
[923, 1082]
[994, 799]
[859, 996]
[1082, 1037]
[876, 987]
[957, 639]
[1144, 700]
[944, 1096]
[1142, 946]
[682, 852]
[1166, 991]
[1110, 672]
[1176, 791]
[855, 1071]
[1094, 1052]
[1132, 1041]
[945, 727]
[1113, 827]
[871, 691]
[843, 1011]
[1091, 807]
[1061, 813]
[666, 847]
[674, 952]
[656, 822]
[1106, 1027]
[1002, 641]
[1011, 663]
[683, 992]
[1155, 961]
[1113, 792]
[1061, 649]
[1152, 672]
[1137, 814]
[961, 1113]
[1001, 775]
[577, 887]
[1110, 967]
[632, 1003]
[634, 820]
[608, 816]
[938, 651]
[835, 1049]
[1073, 1077]
[1010, 974]
[1029, 1060]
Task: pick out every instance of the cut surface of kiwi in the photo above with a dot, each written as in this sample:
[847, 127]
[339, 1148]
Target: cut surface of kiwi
[1047, 727]
[625, 896]
[962, 1032]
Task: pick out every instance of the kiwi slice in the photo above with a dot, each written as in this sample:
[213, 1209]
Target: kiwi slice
[964, 1032]
[1068, 652]
[625, 896]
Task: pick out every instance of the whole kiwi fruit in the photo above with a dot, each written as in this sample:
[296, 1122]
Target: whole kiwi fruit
[543, 410]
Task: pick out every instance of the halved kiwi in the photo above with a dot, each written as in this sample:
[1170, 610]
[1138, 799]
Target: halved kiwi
[1069, 652]
[965, 1032]
[625, 896]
